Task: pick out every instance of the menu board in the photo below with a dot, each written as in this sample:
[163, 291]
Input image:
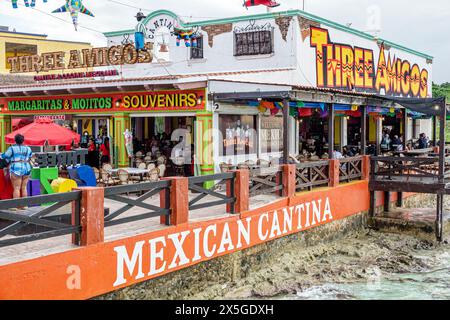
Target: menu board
[271, 131]
[239, 135]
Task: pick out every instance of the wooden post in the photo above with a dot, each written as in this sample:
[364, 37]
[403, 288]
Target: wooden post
[387, 201]
[439, 217]
[379, 129]
[288, 180]
[405, 127]
[373, 205]
[286, 131]
[400, 199]
[179, 201]
[334, 173]
[363, 130]
[434, 131]
[241, 190]
[365, 167]
[91, 216]
[440, 199]
[331, 130]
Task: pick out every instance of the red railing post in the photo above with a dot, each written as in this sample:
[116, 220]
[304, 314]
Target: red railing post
[334, 173]
[179, 201]
[365, 167]
[241, 191]
[288, 179]
[91, 216]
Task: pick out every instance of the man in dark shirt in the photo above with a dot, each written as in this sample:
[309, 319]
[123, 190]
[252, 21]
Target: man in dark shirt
[423, 143]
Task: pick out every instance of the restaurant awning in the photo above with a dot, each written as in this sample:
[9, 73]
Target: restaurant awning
[427, 106]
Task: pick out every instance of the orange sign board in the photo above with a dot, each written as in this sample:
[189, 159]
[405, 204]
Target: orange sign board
[95, 270]
[189, 100]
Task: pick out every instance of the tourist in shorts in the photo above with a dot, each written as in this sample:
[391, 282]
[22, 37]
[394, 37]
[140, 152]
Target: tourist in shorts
[19, 156]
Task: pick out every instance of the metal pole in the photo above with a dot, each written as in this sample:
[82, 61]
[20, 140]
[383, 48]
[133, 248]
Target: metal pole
[363, 130]
[286, 131]
[330, 130]
[434, 131]
[440, 199]
[405, 127]
[443, 119]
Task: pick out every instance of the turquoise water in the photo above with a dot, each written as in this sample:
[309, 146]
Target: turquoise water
[430, 285]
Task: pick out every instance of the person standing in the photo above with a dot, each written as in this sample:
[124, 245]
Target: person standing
[92, 158]
[19, 156]
[104, 151]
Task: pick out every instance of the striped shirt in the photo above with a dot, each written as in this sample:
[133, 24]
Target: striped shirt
[19, 159]
[140, 27]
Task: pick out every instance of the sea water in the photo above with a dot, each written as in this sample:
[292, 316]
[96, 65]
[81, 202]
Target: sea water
[428, 285]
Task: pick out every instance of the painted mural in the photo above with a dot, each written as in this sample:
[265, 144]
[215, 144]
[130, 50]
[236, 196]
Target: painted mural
[347, 67]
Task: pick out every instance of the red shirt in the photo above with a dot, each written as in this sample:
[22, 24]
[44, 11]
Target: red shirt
[91, 148]
[104, 150]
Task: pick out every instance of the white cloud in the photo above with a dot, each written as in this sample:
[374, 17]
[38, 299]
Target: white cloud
[417, 24]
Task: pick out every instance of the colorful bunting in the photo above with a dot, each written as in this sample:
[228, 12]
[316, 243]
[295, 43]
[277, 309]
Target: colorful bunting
[74, 7]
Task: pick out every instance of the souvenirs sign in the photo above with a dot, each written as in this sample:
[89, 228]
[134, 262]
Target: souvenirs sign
[85, 58]
[189, 100]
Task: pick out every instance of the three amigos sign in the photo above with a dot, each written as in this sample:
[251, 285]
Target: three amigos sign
[352, 67]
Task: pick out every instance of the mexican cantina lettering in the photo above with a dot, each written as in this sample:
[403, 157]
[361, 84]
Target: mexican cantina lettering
[163, 254]
[345, 67]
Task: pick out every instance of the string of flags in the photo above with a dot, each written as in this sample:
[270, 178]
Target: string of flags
[301, 109]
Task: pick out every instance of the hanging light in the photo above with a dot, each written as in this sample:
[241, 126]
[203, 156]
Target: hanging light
[163, 48]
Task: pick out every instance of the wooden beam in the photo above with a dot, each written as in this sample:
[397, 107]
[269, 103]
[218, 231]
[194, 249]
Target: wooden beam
[286, 131]
[378, 129]
[405, 127]
[331, 117]
[443, 120]
[363, 130]
[435, 131]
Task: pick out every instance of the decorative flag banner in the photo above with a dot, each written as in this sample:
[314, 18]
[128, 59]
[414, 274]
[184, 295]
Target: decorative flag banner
[27, 3]
[267, 3]
[74, 7]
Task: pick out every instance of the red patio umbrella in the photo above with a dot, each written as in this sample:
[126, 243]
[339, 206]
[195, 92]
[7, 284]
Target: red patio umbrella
[20, 123]
[42, 132]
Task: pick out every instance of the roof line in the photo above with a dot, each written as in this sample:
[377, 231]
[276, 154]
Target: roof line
[268, 16]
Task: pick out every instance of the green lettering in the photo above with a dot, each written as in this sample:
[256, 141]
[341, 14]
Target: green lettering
[76, 104]
[11, 106]
[108, 104]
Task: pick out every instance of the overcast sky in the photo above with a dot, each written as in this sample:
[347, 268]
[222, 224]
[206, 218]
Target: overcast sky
[417, 24]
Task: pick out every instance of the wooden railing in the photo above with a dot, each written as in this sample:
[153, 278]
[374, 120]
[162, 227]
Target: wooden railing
[350, 169]
[51, 216]
[313, 174]
[196, 186]
[265, 181]
[147, 190]
[404, 167]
